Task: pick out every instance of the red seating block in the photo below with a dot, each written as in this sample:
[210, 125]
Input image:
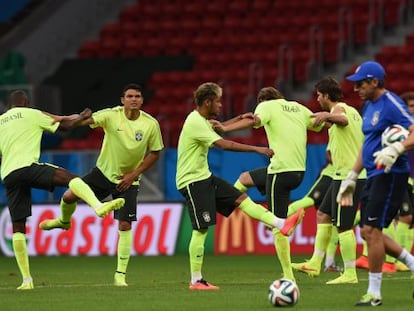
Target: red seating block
[89, 49]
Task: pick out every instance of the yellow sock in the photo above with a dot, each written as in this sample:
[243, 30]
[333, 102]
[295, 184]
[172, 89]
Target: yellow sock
[124, 250]
[258, 212]
[302, 203]
[20, 252]
[196, 252]
[83, 191]
[357, 218]
[283, 253]
[347, 243]
[390, 231]
[323, 235]
[332, 246]
[404, 235]
[238, 185]
[66, 210]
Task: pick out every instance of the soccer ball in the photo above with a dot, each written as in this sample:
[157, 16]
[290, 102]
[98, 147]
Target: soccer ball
[393, 134]
[283, 293]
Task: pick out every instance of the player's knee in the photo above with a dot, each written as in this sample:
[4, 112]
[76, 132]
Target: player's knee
[322, 217]
[344, 228]
[368, 233]
[69, 197]
[246, 179]
[124, 225]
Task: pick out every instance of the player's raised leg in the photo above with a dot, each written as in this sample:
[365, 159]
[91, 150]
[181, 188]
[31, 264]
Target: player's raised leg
[62, 222]
[84, 192]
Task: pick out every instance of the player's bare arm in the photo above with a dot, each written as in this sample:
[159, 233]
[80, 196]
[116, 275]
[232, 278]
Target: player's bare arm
[126, 180]
[234, 146]
[73, 120]
[244, 122]
[337, 117]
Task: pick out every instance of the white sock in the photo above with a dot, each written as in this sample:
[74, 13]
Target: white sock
[195, 276]
[374, 284]
[407, 258]
[97, 206]
[279, 223]
[329, 261]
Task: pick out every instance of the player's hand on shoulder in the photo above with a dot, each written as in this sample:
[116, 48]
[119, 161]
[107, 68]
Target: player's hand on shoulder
[319, 117]
[248, 115]
[265, 151]
[86, 114]
[217, 126]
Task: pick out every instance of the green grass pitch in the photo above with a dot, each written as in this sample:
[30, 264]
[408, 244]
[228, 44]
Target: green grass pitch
[161, 283]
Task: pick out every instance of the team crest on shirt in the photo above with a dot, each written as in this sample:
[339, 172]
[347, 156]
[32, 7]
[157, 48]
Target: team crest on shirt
[206, 216]
[139, 135]
[375, 118]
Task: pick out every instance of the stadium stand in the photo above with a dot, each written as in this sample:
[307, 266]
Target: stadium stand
[172, 46]
[242, 44]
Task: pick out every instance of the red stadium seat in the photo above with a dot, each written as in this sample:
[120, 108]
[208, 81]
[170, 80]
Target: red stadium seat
[89, 49]
[130, 13]
[110, 30]
[132, 47]
[110, 47]
[226, 37]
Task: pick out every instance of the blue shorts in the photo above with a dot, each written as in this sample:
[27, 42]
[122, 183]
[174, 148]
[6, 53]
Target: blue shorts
[382, 198]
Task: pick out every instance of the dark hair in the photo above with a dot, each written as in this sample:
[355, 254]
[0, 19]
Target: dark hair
[407, 96]
[207, 91]
[16, 97]
[131, 86]
[331, 87]
[268, 93]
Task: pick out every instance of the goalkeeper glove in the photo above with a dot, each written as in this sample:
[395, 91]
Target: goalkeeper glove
[346, 189]
[388, 155]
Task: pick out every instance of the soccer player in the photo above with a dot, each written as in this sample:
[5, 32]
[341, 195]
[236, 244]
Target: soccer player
[404, 228]
[207, 194]
[131, 145]
[21, 130]
[345, 140]
[257, 178]
[315, 197]
[387, 171]
[287, 167]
